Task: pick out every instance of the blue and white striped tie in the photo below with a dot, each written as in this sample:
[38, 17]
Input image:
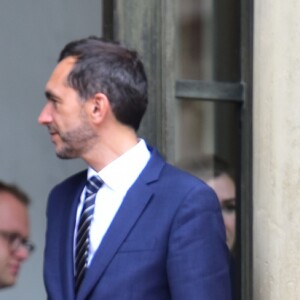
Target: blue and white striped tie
[83, 230]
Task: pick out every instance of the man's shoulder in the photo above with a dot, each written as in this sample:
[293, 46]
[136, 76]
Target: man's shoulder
[182, 177]
[170, 171]
[73, 180]
[63, 194]
[161, 172]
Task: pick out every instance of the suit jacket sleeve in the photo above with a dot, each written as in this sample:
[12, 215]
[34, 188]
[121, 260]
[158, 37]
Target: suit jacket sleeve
[198, 256]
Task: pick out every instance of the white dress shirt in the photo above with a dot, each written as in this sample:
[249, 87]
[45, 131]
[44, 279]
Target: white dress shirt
[118, 177]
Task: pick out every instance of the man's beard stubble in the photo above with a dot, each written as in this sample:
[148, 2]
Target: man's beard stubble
[76, 142]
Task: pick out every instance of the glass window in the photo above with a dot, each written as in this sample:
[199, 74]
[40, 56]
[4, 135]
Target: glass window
[207, 133]
[205, 124]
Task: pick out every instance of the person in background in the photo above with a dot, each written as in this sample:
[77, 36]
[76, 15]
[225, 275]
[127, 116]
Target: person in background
[131, 226]
[14, 232]
[218, 174]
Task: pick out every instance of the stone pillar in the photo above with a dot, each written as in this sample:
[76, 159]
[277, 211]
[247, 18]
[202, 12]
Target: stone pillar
[276, 140]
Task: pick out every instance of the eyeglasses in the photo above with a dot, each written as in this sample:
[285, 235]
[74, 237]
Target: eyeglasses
[15, 241]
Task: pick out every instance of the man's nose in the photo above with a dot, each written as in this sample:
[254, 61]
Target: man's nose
[22, 252]
[45, 116]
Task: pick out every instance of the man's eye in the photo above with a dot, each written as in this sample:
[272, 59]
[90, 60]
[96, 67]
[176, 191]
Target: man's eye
[13, 237]
[53, 101]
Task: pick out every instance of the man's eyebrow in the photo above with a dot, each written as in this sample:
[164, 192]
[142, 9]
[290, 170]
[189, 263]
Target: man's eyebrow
[50, 96]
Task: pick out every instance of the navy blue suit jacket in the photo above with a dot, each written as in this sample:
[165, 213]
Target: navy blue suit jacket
[167, 241]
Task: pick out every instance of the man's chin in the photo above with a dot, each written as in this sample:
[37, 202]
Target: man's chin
[8, 283]
[66, 154]
[63, 156]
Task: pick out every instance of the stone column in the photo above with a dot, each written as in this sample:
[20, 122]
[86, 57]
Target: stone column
[276, 140]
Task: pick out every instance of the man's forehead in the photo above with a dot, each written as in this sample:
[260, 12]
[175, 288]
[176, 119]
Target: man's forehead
[13, 213]
[4, 195]
[67, 63]
[62, 70]
[8, 200]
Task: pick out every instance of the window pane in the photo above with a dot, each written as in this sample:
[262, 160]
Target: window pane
[195, 39]
[207, 134]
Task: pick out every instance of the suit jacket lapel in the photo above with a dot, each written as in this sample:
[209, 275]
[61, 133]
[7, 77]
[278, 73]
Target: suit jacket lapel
[124, 220]
[132, 207]
[71, 198]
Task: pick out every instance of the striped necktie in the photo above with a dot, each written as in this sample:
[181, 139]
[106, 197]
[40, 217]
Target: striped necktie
[83, 229]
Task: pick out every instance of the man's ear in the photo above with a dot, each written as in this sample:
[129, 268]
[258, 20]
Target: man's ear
[99, 107]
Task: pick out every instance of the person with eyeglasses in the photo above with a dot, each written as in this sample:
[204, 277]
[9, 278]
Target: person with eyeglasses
[14, 231]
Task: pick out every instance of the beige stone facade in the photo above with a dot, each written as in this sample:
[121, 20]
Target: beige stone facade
[276, 139]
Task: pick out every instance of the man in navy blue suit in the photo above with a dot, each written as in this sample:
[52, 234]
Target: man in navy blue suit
[148, 230]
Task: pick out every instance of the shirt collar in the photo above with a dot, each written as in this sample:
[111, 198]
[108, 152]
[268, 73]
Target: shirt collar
[124, 170]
